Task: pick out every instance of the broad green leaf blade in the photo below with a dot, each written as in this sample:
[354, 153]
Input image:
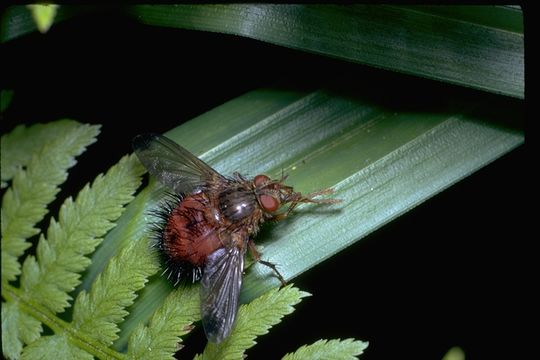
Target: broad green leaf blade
[452, 44]
[253, 320]
[346, 349]
[25, 202]
[382, 158]
[444, 150]
[475, 46]
[16, 21]
[509, 17]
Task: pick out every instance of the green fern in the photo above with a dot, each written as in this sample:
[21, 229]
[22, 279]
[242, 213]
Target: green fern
[328, 350]
[161, 337]
[25, 203]
[254, 319]
[35, 161]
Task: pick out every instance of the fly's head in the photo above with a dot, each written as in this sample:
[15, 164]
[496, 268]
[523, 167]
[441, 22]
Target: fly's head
[272, 194]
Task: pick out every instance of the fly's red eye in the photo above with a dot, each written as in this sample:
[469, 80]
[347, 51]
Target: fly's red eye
[261, 180]
[269, 203]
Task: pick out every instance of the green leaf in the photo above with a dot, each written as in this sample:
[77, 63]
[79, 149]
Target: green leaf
[346, 349]
[480, 47]
[54, 347]
[134, 224]
[25, 202]
[254, 319]
[383, 157]
[474, 46]
[49, 277]
[161, 338]
[17, 326]
[17, 20]
[43, 15]
[80, 228]
[22, 143]
[6, 96]
[455, 353]
[113, 291]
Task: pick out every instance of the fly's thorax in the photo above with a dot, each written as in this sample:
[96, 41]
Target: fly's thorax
[237, 204]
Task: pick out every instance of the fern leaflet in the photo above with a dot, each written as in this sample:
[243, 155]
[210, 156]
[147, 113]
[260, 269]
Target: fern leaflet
[160, 339]
[25, 203]
[114, 289]
[254, 319]
[47, 278]
[346, 349]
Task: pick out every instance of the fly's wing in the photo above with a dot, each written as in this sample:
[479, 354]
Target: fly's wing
[220, 289]
[171, 164]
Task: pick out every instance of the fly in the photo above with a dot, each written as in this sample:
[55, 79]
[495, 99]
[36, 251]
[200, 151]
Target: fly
[210, 223]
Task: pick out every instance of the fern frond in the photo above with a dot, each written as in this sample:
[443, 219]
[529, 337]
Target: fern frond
[55, 347]
[346, 349]
[255, 319]
[17, 327]
[18, 146]
[160, 339]
[48, 278]
[82, 223]
[98, 312]
[25, 203]
[133, 224]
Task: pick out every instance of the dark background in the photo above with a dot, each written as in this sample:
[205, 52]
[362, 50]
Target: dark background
[450, 272]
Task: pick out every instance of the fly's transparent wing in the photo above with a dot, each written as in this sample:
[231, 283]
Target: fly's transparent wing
[171, 164]
[220, 289]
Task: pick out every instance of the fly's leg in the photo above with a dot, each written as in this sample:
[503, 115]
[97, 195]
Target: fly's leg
[257, 257]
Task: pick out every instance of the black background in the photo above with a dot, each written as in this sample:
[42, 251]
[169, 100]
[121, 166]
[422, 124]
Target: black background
[450, 272]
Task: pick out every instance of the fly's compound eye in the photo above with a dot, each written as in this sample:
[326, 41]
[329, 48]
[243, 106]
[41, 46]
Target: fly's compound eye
[261, 180]
[269, 203]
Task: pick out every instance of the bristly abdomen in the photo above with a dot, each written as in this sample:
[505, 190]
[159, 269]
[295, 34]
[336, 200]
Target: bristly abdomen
[175, 269]
[186, 236]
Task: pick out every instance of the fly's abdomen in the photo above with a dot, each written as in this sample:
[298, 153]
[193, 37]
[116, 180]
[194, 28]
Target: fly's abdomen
[190, 233]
